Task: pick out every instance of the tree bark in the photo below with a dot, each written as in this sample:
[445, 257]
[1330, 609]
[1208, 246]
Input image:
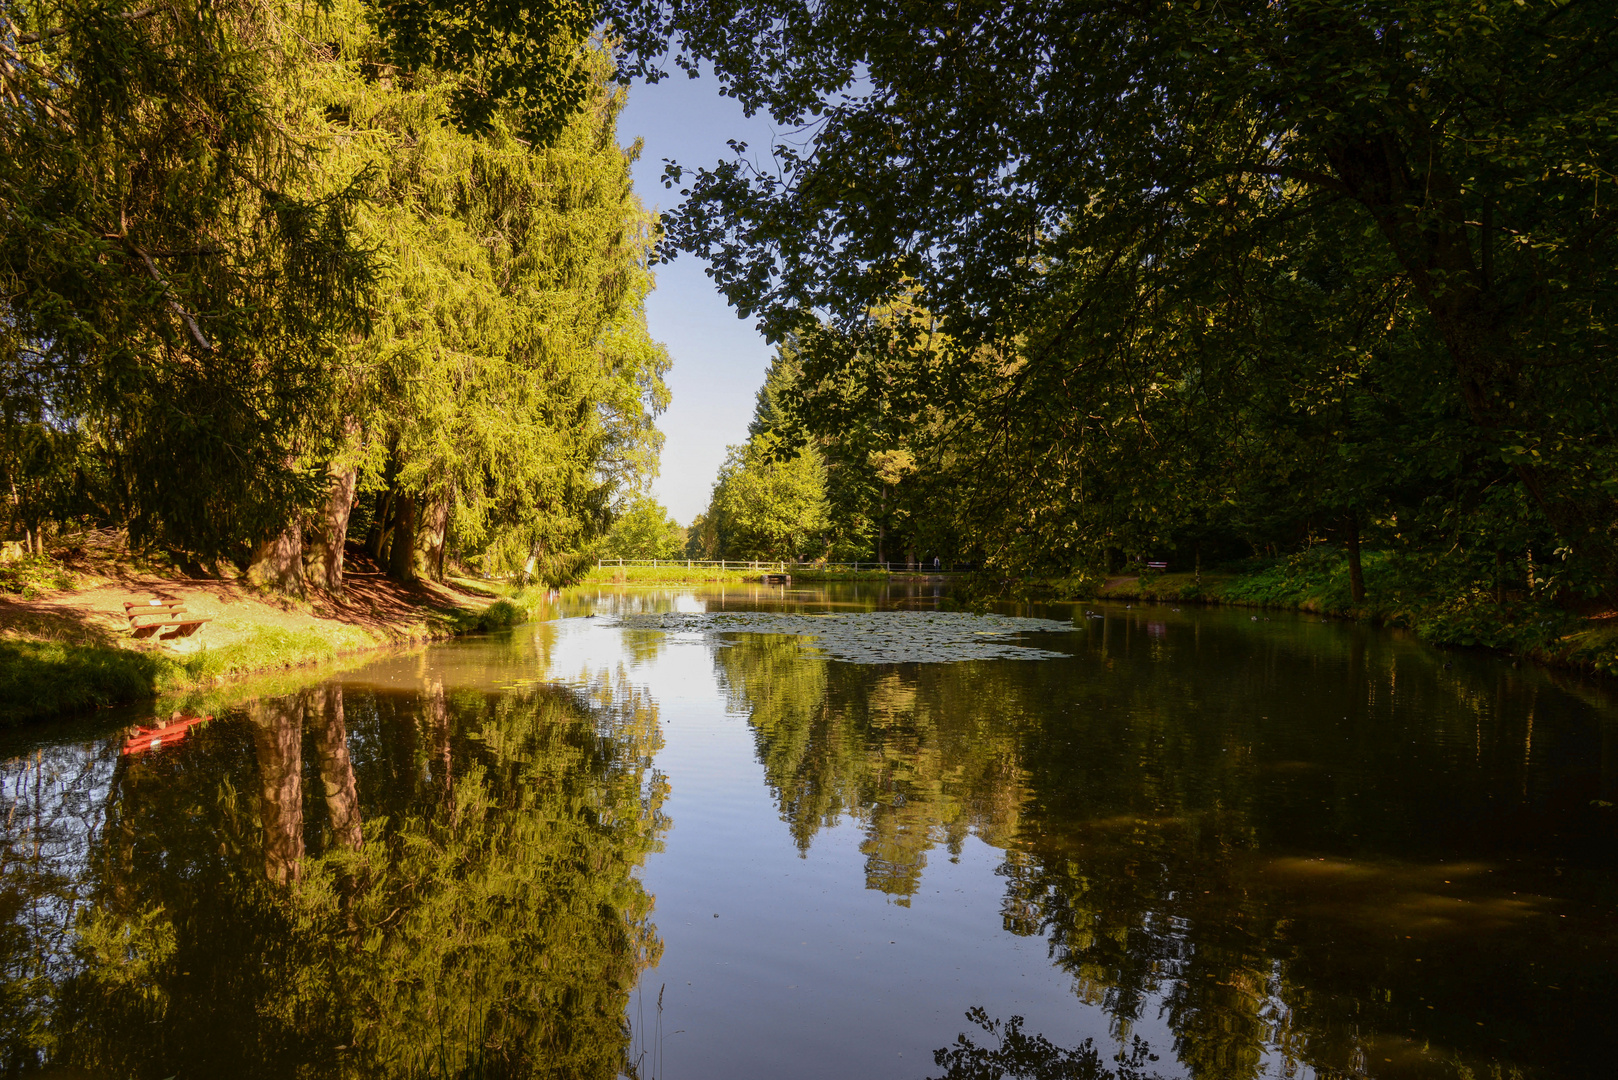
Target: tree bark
[882, 526]
[278, 562]
[278, 741]
[431, 532]
[402, 549]
[324, 557]
[376, 541]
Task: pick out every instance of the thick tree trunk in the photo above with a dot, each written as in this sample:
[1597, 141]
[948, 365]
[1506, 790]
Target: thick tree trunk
[402, 549]
[337, 771]
[431, 532]
[278, 562]
[278, 740]
[323, 559]
[1356, 574]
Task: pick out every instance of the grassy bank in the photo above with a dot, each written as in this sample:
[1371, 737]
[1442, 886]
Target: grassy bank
[1396, 594]
[672, 574]
[65, 645]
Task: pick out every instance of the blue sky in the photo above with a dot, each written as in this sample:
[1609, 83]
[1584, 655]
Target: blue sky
[719, 360]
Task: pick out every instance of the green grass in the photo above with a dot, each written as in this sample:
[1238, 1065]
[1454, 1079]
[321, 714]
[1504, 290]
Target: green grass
[268, 647]
[673, 574]
[39, 678]
[32, 575]
[810, 574]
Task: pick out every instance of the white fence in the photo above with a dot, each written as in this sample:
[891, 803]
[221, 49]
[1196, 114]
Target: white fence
[703, 564]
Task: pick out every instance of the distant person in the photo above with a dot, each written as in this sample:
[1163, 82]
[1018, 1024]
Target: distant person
[936, 563]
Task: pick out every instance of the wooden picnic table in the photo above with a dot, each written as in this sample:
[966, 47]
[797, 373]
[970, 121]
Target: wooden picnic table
[160, 613]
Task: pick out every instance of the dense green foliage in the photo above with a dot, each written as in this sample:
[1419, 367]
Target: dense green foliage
[642, 529]
[769, 502]
[176, 275]
[258, 280]
[1188, 279]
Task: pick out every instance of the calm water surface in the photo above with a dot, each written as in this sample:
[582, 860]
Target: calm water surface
[1263, 848]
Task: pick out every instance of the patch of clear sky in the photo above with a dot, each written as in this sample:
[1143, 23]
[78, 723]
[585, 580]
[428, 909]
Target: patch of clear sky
[719, 359]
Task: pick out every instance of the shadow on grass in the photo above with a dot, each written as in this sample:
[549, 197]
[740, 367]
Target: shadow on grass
[42, 678]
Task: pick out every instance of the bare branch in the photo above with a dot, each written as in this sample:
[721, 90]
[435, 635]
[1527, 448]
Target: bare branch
[37, 36]
[174, 304]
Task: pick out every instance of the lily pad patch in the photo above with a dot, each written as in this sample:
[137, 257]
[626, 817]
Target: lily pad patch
[873, 637]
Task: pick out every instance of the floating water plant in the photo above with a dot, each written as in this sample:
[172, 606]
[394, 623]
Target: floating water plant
[875, 637]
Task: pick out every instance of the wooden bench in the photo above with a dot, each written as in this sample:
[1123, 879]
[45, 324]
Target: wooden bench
[1157, 566]
[147, 617]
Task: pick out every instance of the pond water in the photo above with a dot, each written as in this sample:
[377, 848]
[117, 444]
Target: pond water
[618, 843]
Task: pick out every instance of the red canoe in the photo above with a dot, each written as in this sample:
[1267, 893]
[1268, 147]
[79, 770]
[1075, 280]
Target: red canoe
[172, 731]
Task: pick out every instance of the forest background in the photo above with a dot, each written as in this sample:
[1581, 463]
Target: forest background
[1056, 288]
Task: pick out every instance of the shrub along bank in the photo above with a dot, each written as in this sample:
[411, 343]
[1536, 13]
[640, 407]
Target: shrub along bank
[1399, 592]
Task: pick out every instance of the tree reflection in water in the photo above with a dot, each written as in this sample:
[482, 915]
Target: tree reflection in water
[1017, 1054]
[347, 884]
[1327, 880]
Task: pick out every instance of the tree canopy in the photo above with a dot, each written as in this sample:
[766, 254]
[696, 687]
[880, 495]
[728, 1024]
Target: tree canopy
[266, 268]
[1184, 256]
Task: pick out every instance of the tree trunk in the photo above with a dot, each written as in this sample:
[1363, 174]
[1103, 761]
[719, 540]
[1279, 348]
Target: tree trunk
[402, 550]
[882, 525]
[278, 741]
[324, 558]
[431, 532]
[337, 772]
[1356, 574]
[278, 562]
[376, 541]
